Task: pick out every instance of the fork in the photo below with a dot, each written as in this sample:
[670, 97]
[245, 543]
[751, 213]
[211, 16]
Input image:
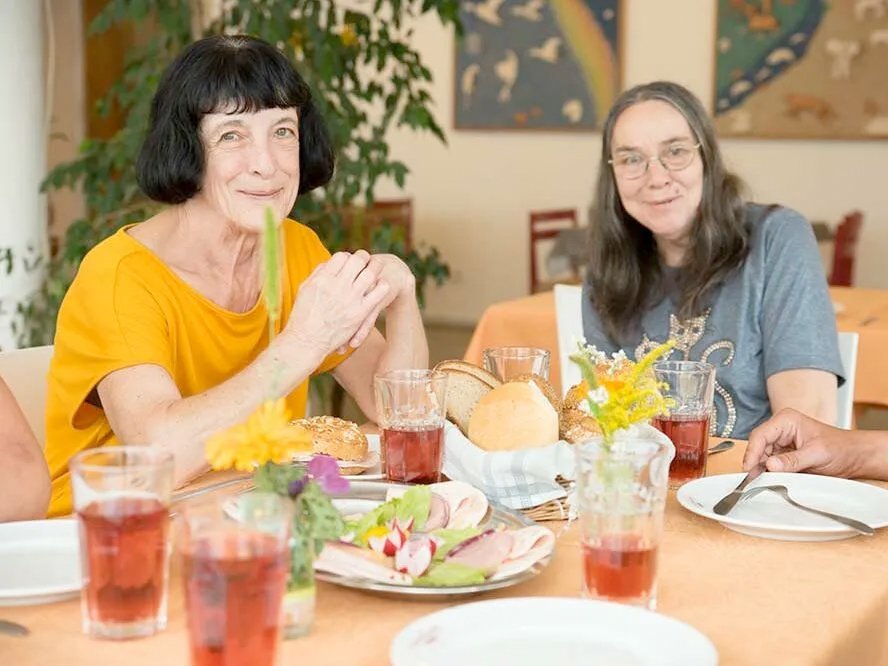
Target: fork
[783, 491]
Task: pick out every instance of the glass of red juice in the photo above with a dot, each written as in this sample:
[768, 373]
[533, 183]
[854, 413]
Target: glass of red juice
[689, 387]
[235, 565]
[121, 498]
[621, 492]
[410, 411]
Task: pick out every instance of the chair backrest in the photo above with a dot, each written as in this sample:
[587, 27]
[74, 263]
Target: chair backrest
[544, 226]
[848, 355]
[360, 222]
[845, 249]
[25, 372]
[569, 321]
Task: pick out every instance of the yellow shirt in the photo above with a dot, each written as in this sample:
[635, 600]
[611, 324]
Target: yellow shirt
[126, 308]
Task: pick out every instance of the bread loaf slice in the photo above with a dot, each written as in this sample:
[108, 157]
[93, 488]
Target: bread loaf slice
[466, 385]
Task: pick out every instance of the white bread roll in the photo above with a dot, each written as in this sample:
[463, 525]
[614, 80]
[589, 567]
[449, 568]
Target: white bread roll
[514, 416]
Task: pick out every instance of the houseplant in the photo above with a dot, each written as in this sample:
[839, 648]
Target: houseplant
[367, 80]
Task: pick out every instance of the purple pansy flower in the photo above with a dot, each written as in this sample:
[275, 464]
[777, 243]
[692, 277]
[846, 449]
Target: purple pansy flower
[325, 471]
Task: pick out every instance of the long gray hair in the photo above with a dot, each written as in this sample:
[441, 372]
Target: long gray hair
[624, 265]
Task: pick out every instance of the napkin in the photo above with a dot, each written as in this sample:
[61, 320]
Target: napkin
[516, 479]
[522, 479]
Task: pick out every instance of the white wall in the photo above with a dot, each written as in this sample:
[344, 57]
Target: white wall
[22, 118]
[473, 197]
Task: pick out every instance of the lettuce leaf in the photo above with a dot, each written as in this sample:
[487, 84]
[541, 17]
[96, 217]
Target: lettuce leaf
[450, 574]
[449, 539]
[415, 503]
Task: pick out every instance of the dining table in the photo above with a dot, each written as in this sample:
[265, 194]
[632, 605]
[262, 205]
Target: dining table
[530, 322]
[760, 601]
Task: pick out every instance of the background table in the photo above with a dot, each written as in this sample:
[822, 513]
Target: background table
[530, 321]
[759, 601]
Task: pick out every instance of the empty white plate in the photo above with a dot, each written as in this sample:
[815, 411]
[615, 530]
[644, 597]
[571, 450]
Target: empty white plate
[536, 631]
[768, 515]
[39, 562]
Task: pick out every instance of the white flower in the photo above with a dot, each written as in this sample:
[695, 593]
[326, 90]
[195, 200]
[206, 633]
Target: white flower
[599, 396]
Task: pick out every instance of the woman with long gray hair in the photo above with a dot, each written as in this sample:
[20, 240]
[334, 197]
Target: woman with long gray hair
[676, 252]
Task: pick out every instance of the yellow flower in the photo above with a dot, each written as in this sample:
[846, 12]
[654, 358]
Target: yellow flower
[266, 436]
[631, 389]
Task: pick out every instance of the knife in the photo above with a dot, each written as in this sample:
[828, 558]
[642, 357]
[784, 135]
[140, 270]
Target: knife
[729, 501]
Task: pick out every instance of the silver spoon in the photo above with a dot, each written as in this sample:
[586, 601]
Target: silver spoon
[13, 628]
[856, 525]
[721, 446]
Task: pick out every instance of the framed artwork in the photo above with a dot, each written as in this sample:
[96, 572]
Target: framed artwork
[537, 64]
[807, 69]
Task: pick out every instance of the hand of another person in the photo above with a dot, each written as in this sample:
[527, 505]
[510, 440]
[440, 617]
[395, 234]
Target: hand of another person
[394, 272]
[792, 442]
[335, 301]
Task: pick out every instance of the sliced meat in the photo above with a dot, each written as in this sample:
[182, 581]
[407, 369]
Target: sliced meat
[345, 559]
[467, 504]
[487, 551]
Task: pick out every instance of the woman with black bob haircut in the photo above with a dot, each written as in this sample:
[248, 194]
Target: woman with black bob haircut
[676, 252]
[163, 337]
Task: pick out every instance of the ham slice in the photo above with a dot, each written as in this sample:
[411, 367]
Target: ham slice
[351, 561]
[466, 505]
[529, 546]
[487, 551]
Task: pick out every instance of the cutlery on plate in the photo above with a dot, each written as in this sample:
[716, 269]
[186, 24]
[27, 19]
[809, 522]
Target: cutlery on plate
[183, 495]
[721, 446]
[783, 491]
[726, 503]
[13, 628]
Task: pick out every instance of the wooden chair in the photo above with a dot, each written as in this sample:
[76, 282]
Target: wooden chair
[845, 250]
[544, 227]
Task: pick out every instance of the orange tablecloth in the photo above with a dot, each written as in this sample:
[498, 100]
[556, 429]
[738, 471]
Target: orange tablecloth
[759, 601]
[530, 321]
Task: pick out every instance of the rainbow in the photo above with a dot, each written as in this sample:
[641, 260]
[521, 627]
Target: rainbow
[593, 52]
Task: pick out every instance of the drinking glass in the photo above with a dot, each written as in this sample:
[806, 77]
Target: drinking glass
[410, 409]
[510, 362]
[620, 495]
[235, 563]
[121, 498]
[689, 386]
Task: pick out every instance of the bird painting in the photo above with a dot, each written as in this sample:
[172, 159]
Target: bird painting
[547, 51]
[529, 11]
[469, 81]
[506, 70]
[487, 11]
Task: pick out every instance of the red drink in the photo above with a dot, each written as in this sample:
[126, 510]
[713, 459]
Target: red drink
[413, 453]
[233, 593]
[690, 435]
[126, 556]
[620, 568]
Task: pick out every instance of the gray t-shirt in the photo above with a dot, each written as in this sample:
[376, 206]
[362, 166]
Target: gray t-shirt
[772, 314]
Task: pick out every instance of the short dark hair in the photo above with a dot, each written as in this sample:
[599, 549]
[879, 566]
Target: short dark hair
[231, 73]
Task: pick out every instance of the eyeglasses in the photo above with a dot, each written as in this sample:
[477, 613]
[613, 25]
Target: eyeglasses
[675, 157]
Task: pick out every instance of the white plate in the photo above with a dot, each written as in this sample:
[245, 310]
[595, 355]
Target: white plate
[768, 515]
[375, 472]
[372, 464]
[549, 630]
[39, 562]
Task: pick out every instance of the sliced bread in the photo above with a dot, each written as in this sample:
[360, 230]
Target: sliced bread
[466, 385]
